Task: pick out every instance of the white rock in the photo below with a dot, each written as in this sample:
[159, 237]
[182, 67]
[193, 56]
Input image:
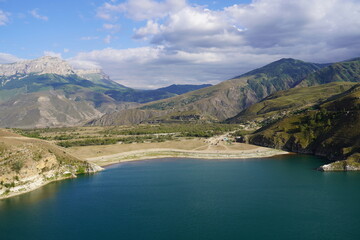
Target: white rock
[41, 65]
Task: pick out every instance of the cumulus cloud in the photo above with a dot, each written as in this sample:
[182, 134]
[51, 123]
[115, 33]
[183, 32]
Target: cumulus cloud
[193, 44]
[8, 58]
[35, 14]
[152, 67]
[4, 18]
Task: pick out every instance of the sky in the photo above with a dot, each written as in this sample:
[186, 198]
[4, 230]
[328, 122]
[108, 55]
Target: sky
[154, 43]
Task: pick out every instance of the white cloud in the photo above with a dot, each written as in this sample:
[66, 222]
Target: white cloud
[192, 44]
[4, 18]
[140, 9]
[52, 54]
[8, 58]
[66, 50]
[151, 67]
[35, 14]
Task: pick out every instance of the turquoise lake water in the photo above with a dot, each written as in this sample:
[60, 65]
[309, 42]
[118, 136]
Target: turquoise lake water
[277, 198]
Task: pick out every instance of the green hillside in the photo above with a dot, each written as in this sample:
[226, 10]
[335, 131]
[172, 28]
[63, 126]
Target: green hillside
[286, 102]
[347, 71]
[331, 129]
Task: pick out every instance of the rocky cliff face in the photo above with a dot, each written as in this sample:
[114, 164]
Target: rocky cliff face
[26, 164]
[49, 65]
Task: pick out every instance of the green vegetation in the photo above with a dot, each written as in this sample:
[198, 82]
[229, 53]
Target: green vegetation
[331, 129]
[88, 136]
[292, 101]
[182, 130]
[17, 166]
[348, 71]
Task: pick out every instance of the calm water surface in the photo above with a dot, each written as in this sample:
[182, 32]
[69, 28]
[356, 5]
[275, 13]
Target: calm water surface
[278, 198]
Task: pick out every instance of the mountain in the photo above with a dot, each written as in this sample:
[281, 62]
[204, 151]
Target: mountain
[48, 92]
[226, 99]
[27, 163]
[330, 129]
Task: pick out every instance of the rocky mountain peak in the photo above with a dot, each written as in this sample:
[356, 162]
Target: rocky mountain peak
[43, 65]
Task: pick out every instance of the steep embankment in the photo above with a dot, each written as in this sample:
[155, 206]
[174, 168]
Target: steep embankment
[228, 98]
[26, 164]
[331, 129]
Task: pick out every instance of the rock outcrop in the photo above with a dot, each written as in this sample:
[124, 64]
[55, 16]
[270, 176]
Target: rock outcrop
[38, 66]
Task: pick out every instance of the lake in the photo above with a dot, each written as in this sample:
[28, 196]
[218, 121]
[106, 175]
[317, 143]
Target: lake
[277, 198]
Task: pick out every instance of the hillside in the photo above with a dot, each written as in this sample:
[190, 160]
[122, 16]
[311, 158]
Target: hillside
[286, 102]
[331, 129]
[346, 71]
[26, 164]
[228, 98]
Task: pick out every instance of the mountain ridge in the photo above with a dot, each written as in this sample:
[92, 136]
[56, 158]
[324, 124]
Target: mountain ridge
[228, 98]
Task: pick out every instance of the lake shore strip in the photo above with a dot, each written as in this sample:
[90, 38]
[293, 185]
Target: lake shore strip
[207, 151]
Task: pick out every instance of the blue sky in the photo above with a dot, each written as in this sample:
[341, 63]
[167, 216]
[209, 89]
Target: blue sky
[154, 43]
[68, 25]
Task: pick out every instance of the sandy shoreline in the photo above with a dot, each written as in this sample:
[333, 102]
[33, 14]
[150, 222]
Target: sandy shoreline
[257, 152]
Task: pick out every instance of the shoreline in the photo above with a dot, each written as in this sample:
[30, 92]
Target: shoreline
[142, 155]
[197, 149]
[39, 184]
[32, 188]
[138, 155]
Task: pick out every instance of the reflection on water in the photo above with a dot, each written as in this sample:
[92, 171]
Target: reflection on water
[49, 191]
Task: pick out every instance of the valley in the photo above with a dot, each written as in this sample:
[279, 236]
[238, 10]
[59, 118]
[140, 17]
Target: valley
[109, 145]
[286, 106]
